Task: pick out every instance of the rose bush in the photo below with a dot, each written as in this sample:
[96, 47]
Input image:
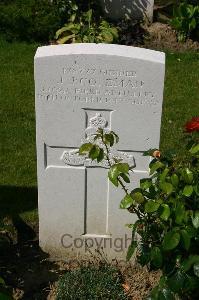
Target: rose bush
[167, 209]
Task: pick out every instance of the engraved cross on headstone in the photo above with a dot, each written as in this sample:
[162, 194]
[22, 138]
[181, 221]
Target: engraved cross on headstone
[96, 204]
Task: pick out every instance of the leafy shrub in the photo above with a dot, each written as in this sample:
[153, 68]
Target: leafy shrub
[84, 28]
[185, 20]
[5, 293]
[30, 20]
[38, 20]
[167, 208]
[89, 283]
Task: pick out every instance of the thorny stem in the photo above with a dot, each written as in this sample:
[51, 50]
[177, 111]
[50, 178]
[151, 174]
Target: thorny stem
[119, 180]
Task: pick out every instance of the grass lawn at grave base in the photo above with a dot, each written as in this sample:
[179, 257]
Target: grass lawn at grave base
[17, 130]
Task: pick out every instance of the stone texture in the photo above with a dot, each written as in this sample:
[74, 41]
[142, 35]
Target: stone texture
[78, 88]
[128, 9]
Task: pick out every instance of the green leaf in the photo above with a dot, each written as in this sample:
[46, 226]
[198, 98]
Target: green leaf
[166, 187]
[196, 189]
[179, 213]
[126, 202]
[144, 255]
[191, 283]
[5, 296]
[187, 175]
[138, 197]
[154, 294]
[94, 152]
[156, 257]
[107, 36]
[189, 262]
[65, 38]
[151, 206]
[113, 175]
[160, 201]
[114, 32]
[155, 166]
[191, 231]
[194, 149]
[85, 148]
[100, 156]
[108, 139]
[164, 175]
[131, 250]
[176, 282]
[186, 240]
[125, 177]
[159, 292]
[68, 27]
[174, 180]
[2, 282]
[116, 170]
[196, 269]
[123, 167]
[134, 228]
[72, 18]
[116, 137]
[165, 212]
[88, 15]
[166, 294]
[188, 190]
[171, 240]
[145, 183]
[195, 219]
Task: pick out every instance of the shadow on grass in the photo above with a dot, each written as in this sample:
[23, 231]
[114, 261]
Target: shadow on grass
[23, 264]
[15, 200]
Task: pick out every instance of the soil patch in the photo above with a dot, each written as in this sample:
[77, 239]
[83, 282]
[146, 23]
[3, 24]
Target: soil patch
[160, 36]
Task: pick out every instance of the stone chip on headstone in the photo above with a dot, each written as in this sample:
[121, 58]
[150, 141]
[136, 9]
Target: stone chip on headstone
[79, 88]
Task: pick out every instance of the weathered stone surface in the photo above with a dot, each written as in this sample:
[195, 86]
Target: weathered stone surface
[128, 9]
[79, 88]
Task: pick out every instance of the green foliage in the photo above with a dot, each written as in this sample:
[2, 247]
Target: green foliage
[84, 28]
[167, 207]
[185, 20]
[30, 20]
[88, 283]
[5, 293]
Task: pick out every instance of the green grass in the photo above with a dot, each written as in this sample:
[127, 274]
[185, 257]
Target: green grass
[181, 98]
[89, 283]
[17, 128]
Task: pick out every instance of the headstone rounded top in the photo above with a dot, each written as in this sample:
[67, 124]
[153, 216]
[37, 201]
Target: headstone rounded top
[103, 49]
[80, 88]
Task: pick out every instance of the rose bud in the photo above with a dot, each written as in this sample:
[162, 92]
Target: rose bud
[156, 154]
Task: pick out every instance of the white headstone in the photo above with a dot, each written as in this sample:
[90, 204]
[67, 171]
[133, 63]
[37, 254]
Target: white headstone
[79, 88]
[128, 9]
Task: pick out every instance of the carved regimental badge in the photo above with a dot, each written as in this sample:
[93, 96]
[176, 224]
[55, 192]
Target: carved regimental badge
[72, 157]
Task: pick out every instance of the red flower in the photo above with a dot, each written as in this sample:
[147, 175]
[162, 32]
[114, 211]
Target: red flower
[192, 125]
